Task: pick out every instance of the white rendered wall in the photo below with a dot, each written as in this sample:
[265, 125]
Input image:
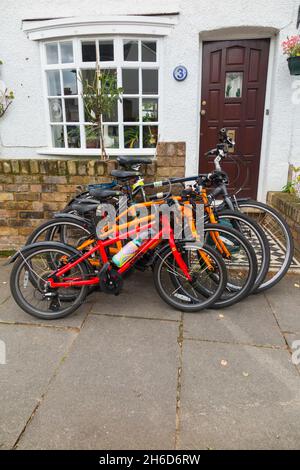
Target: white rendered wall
[23, 129]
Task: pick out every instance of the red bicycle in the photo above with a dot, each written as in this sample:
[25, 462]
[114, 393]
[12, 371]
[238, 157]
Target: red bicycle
[50, 280]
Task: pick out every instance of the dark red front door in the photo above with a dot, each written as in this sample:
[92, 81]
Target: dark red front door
[234, 76]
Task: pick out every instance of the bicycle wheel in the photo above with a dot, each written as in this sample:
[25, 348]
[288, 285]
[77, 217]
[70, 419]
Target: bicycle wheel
[29, 288]
[240, 261]
[256, 237]
[63, 229]
[182, 294]
[279, 237]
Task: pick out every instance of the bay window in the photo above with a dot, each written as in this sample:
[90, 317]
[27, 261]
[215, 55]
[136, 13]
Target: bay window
[131, 127]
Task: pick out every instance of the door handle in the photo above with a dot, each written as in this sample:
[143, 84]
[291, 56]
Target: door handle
[203, 112]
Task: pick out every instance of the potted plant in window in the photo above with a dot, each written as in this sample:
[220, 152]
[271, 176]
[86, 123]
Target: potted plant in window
[100, 96]
[291, 47]
[131, 137]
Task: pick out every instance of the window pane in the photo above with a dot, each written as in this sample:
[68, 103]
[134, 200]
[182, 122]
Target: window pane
[150, 109]
[112, 116]
[148, 51]
[92, 137]
[71, 107]
[131, 109]
[88, 51]
[66, 52]
[55, 109]
[130, 81]
[149, 136]
[111, 136]
[53, 81]
[131, 137]
[73, 133]
[106, 50]
[70, 82]
[150, 82]
[110, 74]
[52, 53]
[233, 84]
[89, 115]
[57, 136]
[88, 75]
[131, 50]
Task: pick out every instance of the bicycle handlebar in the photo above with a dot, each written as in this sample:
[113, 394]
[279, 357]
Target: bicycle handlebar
[220, 152]
[176, 180]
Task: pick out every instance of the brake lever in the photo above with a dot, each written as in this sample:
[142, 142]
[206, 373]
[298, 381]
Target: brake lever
[211, 152]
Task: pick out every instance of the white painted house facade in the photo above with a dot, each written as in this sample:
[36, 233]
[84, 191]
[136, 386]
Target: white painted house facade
[231, 50]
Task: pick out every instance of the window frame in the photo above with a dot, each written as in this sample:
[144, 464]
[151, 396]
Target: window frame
[118, 63]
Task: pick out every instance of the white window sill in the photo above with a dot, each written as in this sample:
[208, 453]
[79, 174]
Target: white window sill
[94, 152]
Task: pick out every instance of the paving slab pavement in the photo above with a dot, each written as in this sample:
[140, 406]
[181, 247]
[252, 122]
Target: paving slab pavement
[249, 322]
[138, 299]
[284, 299]
[10, 312]
[238, 397]
[130, 372]
[4, 283]
[293, 341]
[116, 390]
[33, 355]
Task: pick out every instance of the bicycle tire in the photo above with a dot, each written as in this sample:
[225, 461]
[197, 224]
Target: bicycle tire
[288, 241]
[50, 226]
[260, 243]
[188, 307]
[247, 287]
[24, 304]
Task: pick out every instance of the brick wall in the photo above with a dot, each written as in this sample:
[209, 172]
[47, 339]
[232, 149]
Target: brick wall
[289, 206]
[31, 190]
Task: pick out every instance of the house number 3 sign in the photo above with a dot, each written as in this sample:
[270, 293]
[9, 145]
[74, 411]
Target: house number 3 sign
[180, 73]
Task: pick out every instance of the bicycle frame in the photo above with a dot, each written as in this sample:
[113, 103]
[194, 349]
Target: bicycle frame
[101, 245]
[131, 210]
[220, 245]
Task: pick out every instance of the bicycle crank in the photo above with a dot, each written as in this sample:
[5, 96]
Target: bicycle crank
[110, 280]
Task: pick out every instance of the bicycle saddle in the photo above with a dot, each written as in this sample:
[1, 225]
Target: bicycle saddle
[84, 205]
[123, 175]
[102, 194]
[132, 160]
[82, 208]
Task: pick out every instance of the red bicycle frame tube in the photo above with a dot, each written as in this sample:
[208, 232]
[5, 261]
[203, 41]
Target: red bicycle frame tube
[101, 245]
